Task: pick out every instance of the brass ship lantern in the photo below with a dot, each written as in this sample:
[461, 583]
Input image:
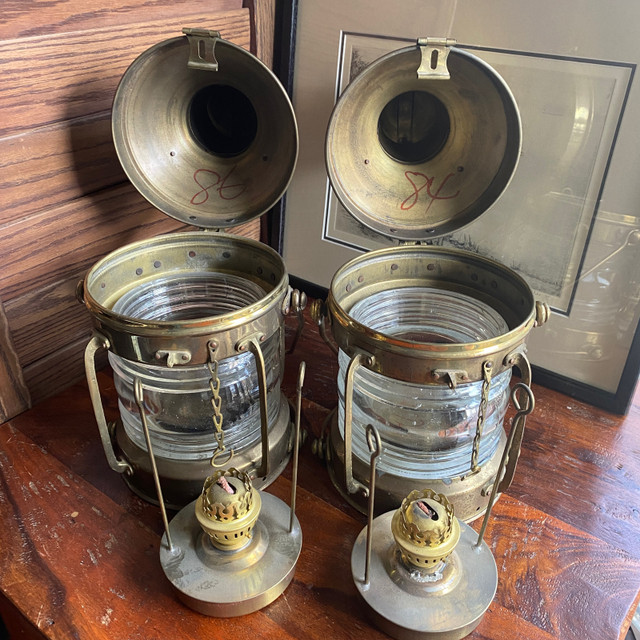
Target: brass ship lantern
[207, 134]
[421, 143]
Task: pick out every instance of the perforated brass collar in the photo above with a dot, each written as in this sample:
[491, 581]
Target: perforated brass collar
[425, 528]
[228, 516]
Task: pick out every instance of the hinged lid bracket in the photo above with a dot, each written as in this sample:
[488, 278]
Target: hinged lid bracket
[434, 58]
[202, 44]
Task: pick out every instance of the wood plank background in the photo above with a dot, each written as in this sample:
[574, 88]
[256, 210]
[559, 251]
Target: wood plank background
[65, 201]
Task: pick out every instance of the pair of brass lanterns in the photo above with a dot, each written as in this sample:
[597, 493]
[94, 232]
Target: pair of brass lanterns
[426, 337]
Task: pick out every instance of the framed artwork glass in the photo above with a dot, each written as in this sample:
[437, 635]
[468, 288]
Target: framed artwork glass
[568, 222]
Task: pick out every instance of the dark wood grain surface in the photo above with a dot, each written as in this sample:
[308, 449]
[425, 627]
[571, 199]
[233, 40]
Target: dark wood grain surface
[63, 195]
[79, 552]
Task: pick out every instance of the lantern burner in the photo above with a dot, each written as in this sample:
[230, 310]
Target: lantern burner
[234, 549]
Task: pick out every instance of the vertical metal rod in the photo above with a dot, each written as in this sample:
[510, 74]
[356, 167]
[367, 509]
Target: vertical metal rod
[522, 413]
[254, 347]
[375, 447]
[137, 389]
[298, 302]
[296, 444]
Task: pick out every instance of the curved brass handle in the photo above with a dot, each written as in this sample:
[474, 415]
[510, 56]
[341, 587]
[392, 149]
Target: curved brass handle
[252, 344]
[298, 304]
[319, 314]
[80, 292]
[97, 343]
[352, 485]
[511, 451]
[516, 433]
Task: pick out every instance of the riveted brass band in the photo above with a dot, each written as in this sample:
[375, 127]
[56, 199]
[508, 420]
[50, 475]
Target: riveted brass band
[426, 266]
[184, 253]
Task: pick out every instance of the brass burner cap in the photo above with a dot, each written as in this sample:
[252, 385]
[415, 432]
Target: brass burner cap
[425, 529]
[228, 508]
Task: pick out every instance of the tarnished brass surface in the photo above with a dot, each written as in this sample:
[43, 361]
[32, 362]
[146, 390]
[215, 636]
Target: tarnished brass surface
[225, 583]
[427, 266]
[228, 518]
[425, 541]
[415, 159]
[182, 480]
[468, 495]
[96, 344]
[183, 253]
[414, 604]
[210, 148]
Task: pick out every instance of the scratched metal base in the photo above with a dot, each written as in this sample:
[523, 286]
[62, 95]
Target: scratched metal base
[405, 608]
[232, 583]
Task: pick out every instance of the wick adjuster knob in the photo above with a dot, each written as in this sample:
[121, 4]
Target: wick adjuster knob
[425, 529]
[228, 508]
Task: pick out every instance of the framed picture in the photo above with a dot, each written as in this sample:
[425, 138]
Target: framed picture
[569, 221]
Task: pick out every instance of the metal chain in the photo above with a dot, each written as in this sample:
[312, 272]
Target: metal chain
[482, 409]
[216, 401]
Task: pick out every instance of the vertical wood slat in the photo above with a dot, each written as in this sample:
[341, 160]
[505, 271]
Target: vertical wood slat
[263, 28]
[14, 394]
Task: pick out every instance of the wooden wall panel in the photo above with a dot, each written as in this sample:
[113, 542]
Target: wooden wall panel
[49, 166]
[22, 18]
[59, 242]
[71, 75]
[64, 199]
[59, 369]
[14, 396]
[37, 316]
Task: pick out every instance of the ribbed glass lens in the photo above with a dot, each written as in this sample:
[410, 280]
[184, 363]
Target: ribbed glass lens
[424, 314]
[189, 297]
[427, 431]
[178, 399]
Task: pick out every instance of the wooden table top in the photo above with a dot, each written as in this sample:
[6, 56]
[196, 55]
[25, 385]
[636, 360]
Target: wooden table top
[79, 552]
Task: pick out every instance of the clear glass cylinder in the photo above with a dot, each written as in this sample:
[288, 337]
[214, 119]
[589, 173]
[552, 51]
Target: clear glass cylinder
[427, 431]
[178, 399]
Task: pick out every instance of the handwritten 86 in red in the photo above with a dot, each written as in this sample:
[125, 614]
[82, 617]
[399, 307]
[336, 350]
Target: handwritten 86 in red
[421, 182]
[211, 182]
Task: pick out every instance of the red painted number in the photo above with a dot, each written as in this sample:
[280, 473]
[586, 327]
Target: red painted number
[421, 182]
[212, 182]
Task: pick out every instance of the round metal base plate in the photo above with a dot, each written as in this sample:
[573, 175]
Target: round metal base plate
[410, 609]
[232, 583]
